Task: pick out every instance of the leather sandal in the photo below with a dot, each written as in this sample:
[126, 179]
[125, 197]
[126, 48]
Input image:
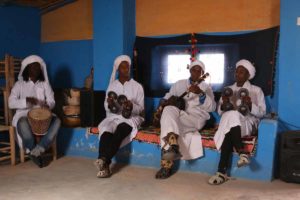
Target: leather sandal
[163, 173]
[218, 179]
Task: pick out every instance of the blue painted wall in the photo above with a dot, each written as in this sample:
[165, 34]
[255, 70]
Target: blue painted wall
[68, 62]
[20, 30]
[74, 142]
[129, 26]
[289, 65]
[114, 33]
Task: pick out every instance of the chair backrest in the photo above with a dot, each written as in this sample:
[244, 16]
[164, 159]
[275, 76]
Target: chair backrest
[9, 69]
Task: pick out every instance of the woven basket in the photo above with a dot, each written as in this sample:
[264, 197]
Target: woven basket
[71, 121]
[71, 110]
[75, 93]
[73, 101]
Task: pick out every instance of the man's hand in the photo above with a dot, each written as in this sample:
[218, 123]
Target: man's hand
[225, 99]
[44, 104]
[248, 102]
[127, 105]
[110, 101]
[195, 89]
[32, 100]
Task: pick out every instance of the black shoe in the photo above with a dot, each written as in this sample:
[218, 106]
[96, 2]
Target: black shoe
[37, 160]
[172, 153]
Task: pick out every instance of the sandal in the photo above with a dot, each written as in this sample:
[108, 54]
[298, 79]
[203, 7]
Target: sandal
[218, 179]
[163, 173]
[99, 163]
[172, 153]
[243, 161]
[103, 168]
[105, 173]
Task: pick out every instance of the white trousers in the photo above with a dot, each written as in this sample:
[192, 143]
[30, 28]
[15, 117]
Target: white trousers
[186, 126]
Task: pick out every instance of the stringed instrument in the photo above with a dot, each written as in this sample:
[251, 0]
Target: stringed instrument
[178, 102]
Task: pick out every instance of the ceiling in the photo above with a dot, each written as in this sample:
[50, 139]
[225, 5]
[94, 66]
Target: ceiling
[43, 5]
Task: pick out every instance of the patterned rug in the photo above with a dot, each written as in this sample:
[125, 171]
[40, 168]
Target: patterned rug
[151, 135]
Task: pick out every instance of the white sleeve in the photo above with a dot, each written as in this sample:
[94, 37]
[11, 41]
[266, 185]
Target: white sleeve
[15, 101]
[49, 94]
[209, 104]
[259, 110]
[172, 92]
[220, 112]
[138, 101]
[105, 100]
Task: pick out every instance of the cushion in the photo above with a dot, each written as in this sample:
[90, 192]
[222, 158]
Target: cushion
[151, 135]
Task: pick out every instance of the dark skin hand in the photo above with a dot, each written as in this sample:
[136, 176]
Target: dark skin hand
[196, 72]
[128, 105]
[34, 101]
[109, 101]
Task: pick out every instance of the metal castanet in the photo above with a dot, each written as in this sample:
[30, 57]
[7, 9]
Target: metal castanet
[119, 104]
[243, 94]
[227, 93]
[113, 107]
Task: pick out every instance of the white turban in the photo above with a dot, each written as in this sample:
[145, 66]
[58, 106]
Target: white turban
[32, 59]
[195, 63]
[117, 62]
[248, 65]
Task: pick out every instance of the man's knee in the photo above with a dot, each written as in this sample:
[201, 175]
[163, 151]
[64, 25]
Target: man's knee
[124, 126]
[56, 121]
[22, 121]
[169, 110]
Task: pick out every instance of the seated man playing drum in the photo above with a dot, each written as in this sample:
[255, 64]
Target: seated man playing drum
[124, 105]
[33, 90]
[180, 136]
[240, 114]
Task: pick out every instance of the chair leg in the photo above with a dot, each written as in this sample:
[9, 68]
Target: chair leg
[22, 155]
[54, 150]
[12, 145]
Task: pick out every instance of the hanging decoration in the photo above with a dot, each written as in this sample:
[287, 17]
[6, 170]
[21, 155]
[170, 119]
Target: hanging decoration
[193, 50]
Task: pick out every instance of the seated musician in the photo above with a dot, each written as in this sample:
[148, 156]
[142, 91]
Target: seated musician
[122, 121]
[179, 128]
[237, 121]
[30, 91]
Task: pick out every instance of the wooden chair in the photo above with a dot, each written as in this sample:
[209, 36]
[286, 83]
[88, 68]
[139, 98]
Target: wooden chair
[8, 148]
[9, 69]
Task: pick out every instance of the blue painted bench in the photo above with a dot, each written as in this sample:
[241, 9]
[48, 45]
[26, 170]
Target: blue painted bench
[76, 142]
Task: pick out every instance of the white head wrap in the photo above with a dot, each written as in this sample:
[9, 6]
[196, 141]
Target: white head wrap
[195, 63]
[117, 62]
[248, 65]
[32, 59]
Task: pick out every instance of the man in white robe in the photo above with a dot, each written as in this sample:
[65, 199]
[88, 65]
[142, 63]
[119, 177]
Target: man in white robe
[180, 136]
[118, 129]
[234, 124]
[32, 90]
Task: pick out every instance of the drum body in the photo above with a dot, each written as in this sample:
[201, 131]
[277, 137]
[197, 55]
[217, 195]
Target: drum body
[39, 120]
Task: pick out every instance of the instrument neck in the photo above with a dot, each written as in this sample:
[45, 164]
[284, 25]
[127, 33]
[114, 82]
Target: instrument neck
[202, 78]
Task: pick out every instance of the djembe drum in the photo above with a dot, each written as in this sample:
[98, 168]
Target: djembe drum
[39, 120]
